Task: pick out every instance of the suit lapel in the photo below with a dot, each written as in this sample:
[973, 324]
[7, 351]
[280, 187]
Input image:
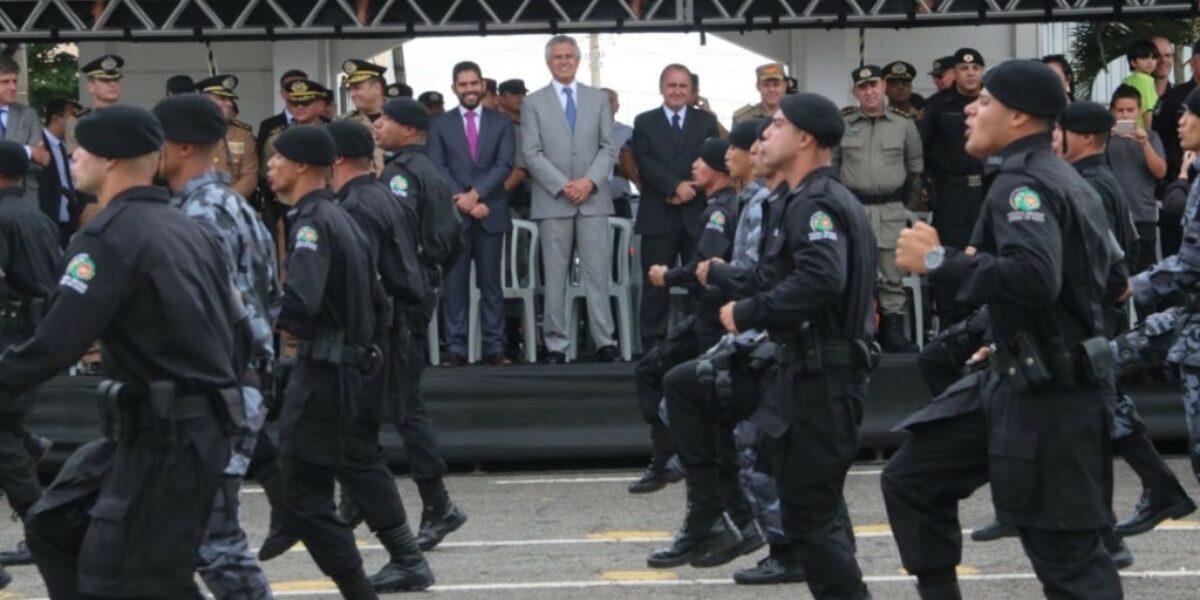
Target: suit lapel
[459, 130]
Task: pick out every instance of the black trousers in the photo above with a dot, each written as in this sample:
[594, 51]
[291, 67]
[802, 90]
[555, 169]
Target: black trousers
[946, 461]
[18, 472]
[656, 302]
[955, 209]
[365, 477]
[126, 519]
[1147, 246]
[310, 513]
[409, 414]
[680, 345]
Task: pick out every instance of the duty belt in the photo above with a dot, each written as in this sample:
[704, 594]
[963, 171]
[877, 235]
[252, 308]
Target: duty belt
[367, 359]
[874, 199]
[833, 354]
[126, 410]
[967, 180]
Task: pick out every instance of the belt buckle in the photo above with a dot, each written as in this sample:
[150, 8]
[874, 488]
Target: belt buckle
[974, 180]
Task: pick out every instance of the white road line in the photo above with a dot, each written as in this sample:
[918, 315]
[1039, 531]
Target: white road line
[555, 480]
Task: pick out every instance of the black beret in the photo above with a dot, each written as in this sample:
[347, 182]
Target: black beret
[1192, 101]
[941, 65]
[744, 133]
[865, 74]
[712, 152]
[1028, 86]
[761, 130]
[308, 144]
[13, 160]
[191, 118]
[1087, 117]
[120, 131]
[407, 111]
[107, 68]
[817, 115]
[351, 139]
[899, 70]
[361, 70]
[513, 86]
[180, 84]
[399, 90]
[431, 98]
[968, 56]
[490, 84]
[219, 85]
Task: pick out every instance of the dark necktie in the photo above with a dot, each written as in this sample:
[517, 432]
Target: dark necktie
[3, 122]
[675, 125]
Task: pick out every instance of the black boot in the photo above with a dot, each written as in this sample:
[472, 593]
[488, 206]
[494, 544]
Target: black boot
[891, 335]
[752, 540]
[1118, 551]
[5, 578]
[18, 556]
[278, 540]
[355, 586]
[1163, 497]
[348, 510]
[439, 516]
[407, 570]
[660, 474]
[943, 591]
[778, 567]
[993, 531]
[706, 527]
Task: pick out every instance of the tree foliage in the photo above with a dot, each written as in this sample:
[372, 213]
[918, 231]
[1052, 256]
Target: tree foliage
[1094, 44]
[53, 73]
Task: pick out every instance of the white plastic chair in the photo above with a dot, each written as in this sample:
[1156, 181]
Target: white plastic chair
[431, 334]
[916, 309]
[514, 286]
[619, 287]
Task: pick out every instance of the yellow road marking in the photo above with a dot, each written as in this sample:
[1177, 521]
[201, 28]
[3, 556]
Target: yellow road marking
[620, 536]
[1180, 524]
[867, 529]
[960, 569]
[639, 575]
[303, 586]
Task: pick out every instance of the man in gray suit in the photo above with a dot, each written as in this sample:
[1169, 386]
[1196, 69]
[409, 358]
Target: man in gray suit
[20, 124]
[566, 138]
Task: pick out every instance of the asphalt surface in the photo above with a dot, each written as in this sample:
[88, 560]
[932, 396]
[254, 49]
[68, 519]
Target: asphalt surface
[578, 534]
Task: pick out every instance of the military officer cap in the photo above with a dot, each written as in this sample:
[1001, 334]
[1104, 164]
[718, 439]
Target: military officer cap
[712, 152]
[428, 98]
[793, 86]
[407, 111]
[491, 86]
[303, 90]
[398, 90]
[968, 56]
[1087, 117]
[13, 160]
[1028, 86]
[358, 71]
[899, 70]
[1192, 101]
[105, 68]
[866, 74]
[941, 65]
[180, 84]
[744, 133]
[308, 144]
[191, 118]
[770, 71]
[513, 86]
[120, 131]
[351, 139]
[817, 115]
[219, 85]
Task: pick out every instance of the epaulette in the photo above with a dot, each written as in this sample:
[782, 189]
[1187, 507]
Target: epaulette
[237, 123]
[897, 111]
[348, 115]
[743, 110]
[849, 110]
[82, 111]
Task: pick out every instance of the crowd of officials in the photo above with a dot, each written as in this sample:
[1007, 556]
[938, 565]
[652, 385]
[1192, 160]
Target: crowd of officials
[224, 280]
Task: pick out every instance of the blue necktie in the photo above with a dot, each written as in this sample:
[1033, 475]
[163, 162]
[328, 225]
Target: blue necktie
[570, 108]
[3, 122]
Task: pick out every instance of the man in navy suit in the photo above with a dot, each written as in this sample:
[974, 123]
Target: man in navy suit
[473, 147]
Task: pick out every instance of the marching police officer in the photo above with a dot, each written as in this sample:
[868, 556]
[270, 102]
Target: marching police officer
[880, 161]
[152, 286]
[414, 180]
[1035, 422]
[28, 265]
[955, 178]
[772, 84]
[194, 128]
[329, 303]
[237, 158]
[390, 230]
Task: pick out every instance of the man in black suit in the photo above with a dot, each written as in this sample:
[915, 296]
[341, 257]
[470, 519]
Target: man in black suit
[666, 141]
[56, 190]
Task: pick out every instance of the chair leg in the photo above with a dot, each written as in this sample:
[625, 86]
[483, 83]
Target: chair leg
[431, 333]
[474, 330]
[530, 327]
[625, 327]
[919, 316]
[572, 329]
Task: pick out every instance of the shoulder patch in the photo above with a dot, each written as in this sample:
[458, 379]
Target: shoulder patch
[306, 237]
[399, 185]
[821, 227]
[1026, 204]
[716, 221]
[80, 270]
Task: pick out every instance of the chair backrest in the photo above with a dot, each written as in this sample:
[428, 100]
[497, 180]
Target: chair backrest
[519, 267]
[622, 230]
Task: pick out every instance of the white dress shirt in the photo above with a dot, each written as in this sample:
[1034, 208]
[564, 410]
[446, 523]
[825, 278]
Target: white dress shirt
[682, 112]
[478, 110]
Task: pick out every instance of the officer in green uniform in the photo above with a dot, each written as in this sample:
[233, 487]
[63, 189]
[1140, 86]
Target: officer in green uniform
[880, 160]
[772, 85]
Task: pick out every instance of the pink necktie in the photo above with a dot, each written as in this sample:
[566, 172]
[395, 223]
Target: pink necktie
[472, 136]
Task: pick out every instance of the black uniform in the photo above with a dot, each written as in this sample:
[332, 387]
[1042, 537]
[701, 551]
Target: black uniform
[1035, 424]
[696, 334]
[29, 259]
[152, 286]
[955, 181]
[329, 304]
[1166, 123]
[818, 279]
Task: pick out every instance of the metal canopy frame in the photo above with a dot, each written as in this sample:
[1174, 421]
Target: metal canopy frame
[173, 20]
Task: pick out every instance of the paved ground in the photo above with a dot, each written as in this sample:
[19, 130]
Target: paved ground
[577, 535]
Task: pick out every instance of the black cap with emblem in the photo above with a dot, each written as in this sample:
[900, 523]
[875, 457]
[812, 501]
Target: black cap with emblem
[303, 90]
[1087, 117]
[351, 139]
[180, 84]
[360, 70]
[219, 85]
[428, 98]
[899, 70]
[407, 111]
[191, 118]
[513, 86]
[1028, 86]
[105, 68]
[1192, 101]
[13, 160]
[967, 56]
[866, 74]
[712, 152]
[120, 131]
[744, 133]
[941, 65]
[815, 114]
[398, 90]
[308, 144]
[490, 84]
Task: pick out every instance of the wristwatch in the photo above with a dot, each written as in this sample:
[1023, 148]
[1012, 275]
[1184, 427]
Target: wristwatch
[934, 258]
